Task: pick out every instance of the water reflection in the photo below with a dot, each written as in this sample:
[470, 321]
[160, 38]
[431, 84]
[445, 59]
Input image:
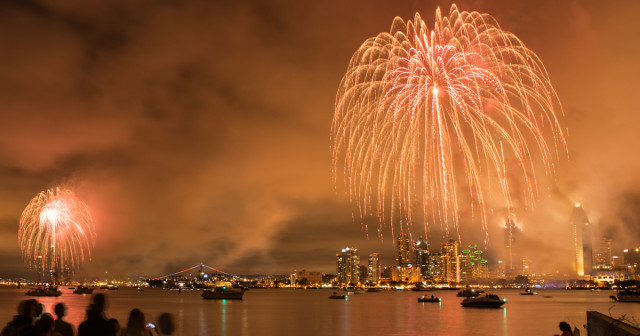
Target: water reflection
[288, 312]
[223, 325]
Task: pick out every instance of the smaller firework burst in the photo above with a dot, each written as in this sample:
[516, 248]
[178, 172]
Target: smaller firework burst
[56, 231]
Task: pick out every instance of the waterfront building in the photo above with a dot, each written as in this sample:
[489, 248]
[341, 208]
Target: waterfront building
[373, 267]
[348, 266]
[631, 257]
[581, 240]
[364, 273]
[610, 276]
[387, 273]
[304, 278]
[603, 260]
[449, 262]
[403, 248]
[407, 274]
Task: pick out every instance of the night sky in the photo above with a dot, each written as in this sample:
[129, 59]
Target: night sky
[199, 130]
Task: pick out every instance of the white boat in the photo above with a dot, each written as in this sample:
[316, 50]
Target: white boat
[223, 291]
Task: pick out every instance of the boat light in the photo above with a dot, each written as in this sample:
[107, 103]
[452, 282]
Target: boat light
[504, 300]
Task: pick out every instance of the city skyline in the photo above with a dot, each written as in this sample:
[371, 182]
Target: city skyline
[200, 131]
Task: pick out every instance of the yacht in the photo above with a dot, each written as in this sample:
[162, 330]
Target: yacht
[469, 293]
[83, 290]
[44, 291]
[223, 291]
[337, 296]
[485, 301]
[627, 295]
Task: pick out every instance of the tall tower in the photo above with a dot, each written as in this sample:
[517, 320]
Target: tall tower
[374, 267]
[403, 247]
[511, 233]
[348, 266]
[450, 263]
[581, 240]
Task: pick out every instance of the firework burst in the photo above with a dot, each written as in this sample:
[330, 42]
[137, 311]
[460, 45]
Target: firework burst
[56, 231]
[434, 121]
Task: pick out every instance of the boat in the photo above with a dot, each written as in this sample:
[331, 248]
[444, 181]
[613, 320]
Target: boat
[223, 291]
[528, 292]
[469, 293]
[337, 296]
[109, 287]
[420, 288]
[627, 295]
[83, 290]
[374, 289]
[44, 291]
[429, 299]
[359, 291]
[485, 301]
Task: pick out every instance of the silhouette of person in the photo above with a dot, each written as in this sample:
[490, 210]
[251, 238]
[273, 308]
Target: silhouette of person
[136, 325]
[96, 323]
[44, 326]
[165, 324]
[62, 327]
[565, 328]
[23, 322]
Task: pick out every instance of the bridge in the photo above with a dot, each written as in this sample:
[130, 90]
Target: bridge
[201, 272]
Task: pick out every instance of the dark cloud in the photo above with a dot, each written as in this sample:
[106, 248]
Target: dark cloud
[199, 131]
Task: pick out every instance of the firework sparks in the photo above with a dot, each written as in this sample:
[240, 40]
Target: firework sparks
[56, 231]
[429, 119]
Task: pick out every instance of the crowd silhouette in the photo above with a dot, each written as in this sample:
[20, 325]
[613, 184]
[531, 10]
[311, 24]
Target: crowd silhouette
[31, 320]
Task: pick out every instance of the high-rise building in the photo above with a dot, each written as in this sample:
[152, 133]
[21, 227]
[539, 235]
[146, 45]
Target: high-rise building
[631, 257]
[421, 256]
[374, 267]
[581, 240]
[472, 264]
[403, 247]
[449, 262]
[603, 259]
[348, 266]
[433, 268]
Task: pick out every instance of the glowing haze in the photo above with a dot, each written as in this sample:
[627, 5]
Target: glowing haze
[423, 113]
[198, 131]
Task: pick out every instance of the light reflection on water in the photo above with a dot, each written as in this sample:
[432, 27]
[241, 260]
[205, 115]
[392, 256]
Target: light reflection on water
[270, 312]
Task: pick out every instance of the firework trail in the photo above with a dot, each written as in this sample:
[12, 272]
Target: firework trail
[430, 120]
[56, 231]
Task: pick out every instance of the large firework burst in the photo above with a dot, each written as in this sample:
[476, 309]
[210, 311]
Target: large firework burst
[56, 231]
[431, 119]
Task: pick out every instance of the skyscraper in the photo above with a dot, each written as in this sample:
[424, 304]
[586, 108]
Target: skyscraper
[603, 260]
[450, 263]
[348, 266]
[511, 233]
[403, 247]
[374, 267]
[421, 254]
[581, 240]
